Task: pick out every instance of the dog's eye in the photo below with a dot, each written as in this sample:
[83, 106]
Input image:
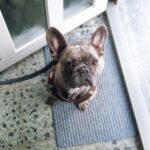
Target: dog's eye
[94, 62]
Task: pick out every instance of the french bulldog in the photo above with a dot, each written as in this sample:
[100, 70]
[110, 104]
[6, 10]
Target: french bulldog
[78, 66]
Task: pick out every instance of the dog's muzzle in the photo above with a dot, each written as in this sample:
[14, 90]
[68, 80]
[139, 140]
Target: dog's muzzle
[58, 95]
[81, 77]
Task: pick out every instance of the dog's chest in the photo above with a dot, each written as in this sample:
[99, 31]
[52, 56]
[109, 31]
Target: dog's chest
[77, 92]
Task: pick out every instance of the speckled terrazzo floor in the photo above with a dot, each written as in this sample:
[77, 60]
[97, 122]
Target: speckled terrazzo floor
[26, 122]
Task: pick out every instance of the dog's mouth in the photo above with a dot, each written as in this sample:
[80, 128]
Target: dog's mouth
[87, 81]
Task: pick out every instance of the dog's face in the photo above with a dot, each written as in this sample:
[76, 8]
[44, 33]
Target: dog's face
[78, 65]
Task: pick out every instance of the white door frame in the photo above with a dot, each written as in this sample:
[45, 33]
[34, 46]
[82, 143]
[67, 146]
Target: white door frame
[66, 25]
[135, 93]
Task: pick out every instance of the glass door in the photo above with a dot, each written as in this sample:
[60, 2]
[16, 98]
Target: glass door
[25, 19]
[23, 23]
[72, 13]
[72, 7]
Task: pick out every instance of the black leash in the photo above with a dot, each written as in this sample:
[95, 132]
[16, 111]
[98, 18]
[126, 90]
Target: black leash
[32, 75]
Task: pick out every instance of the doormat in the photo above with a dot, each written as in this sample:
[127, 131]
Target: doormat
[109, 116]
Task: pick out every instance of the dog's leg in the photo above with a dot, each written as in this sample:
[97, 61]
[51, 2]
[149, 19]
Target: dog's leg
[51, 99]
[83, 105]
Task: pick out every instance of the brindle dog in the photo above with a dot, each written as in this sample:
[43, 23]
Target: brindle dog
[78, 65]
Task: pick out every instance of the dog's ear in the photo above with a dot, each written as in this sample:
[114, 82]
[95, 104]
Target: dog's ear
[99, 39]
[56, 42]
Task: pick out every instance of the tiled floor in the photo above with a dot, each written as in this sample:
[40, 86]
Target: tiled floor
[26, 121]
[25, 118]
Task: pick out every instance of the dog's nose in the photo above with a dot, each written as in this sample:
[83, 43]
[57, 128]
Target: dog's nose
[84, 71]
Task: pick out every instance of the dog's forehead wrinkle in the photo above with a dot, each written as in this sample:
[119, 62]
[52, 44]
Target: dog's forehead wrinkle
[89, 49]
[79, 52]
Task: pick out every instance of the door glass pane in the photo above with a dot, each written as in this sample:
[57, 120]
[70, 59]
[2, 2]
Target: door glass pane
[71, 7]
[25, 19]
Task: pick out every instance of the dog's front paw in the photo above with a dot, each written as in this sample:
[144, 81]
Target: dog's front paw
[83, 105]
[51, 100]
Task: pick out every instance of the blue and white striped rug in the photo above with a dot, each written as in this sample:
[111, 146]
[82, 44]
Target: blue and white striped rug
[109, 115]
